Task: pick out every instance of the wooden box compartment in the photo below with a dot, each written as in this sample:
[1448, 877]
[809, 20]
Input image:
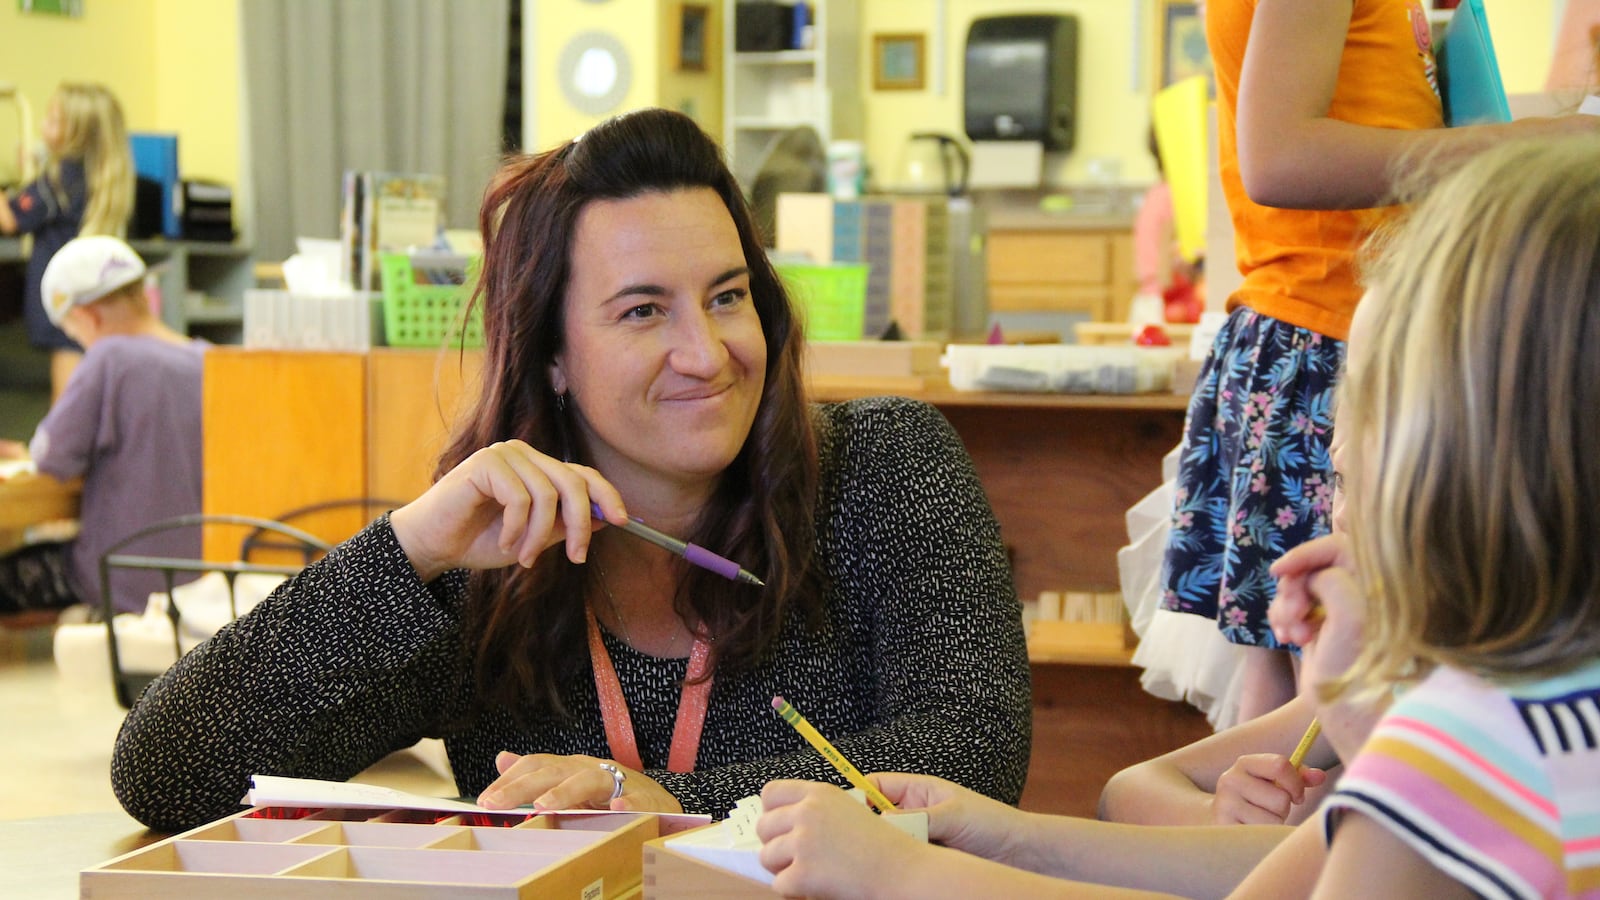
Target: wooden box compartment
[361, 853]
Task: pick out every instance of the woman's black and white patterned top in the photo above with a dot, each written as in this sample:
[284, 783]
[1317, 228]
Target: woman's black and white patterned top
[920, 667]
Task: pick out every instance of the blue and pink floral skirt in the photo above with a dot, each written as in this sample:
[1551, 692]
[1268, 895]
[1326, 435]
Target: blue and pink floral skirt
[1255, 477]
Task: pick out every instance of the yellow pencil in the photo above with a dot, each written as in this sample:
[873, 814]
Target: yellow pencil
[1310, 737]
[1316, 614]
[815, 739]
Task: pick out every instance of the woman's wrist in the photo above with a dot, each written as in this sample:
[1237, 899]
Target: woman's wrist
[426, 567]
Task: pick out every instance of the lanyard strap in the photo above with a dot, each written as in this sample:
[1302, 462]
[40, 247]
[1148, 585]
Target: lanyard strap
[692, 704]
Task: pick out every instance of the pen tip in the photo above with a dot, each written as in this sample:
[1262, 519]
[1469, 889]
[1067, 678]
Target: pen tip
[749, 578]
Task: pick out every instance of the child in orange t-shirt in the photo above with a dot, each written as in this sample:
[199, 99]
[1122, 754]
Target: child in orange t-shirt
[1319, 102]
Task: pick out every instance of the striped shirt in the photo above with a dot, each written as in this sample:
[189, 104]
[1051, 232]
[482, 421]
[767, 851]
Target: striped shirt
[1498, 785]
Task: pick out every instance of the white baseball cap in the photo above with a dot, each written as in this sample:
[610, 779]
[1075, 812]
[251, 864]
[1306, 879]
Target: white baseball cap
[85, 270]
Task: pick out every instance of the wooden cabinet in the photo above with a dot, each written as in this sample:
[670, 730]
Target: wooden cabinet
[1055, 265]
[288, 429]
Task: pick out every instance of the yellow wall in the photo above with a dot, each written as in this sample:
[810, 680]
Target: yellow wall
[633, 22]
[196, 69]
[173, 64]
[1521, 31]
[111, 43]
[698, 94]
[1113, 112]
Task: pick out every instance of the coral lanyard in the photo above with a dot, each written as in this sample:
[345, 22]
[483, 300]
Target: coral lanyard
[619, 724]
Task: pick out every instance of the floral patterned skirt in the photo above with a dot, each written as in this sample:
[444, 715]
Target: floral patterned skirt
[1255, 477]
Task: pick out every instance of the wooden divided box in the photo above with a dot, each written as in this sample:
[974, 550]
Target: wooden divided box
[393, 854]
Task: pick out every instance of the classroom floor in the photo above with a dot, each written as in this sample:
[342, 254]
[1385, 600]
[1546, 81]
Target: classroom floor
[56, 738]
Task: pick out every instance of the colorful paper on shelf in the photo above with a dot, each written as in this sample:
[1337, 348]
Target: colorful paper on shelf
[1179, 117]
[1469, 74]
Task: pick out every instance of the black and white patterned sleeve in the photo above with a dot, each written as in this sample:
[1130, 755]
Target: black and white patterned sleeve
[351, 659]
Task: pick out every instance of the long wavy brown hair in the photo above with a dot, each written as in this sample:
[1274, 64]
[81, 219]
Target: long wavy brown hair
[525, 627]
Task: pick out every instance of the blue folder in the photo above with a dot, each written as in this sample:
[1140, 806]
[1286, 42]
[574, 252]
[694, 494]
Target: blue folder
[155, 156]
[1469, 76]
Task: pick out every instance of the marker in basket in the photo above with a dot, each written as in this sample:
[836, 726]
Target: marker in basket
[832, 755]
[694, 554]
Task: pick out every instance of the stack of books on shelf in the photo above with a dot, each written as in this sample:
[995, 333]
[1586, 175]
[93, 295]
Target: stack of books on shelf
[386, 212]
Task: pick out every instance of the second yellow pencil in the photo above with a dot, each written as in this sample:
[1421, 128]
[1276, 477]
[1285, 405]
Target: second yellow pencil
[831, 754]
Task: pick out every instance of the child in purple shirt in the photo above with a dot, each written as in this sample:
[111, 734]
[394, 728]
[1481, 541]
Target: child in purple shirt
[127, 423]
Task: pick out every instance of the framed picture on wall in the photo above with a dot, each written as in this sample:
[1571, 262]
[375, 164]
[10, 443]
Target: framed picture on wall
[1182, 51]
[693, 25]
[897, 62]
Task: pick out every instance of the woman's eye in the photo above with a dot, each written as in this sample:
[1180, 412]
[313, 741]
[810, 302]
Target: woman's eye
[1338, 480]
[642, 311]
[730, 297]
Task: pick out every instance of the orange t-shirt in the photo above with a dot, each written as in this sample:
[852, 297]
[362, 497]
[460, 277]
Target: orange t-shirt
[1299, 266]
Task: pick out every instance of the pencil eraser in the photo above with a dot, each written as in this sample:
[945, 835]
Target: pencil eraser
[777, 702]
[1590, 105]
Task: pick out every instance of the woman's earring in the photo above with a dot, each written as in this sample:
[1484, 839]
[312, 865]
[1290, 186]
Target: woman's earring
[561, 402]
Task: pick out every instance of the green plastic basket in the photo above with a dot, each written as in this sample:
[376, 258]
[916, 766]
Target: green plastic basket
[425, 315]
[832, 296]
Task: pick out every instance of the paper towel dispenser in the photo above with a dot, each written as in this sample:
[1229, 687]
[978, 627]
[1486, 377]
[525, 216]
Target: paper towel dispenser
[1022, 79]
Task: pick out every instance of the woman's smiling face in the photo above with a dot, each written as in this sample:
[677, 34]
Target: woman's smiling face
[663, 356]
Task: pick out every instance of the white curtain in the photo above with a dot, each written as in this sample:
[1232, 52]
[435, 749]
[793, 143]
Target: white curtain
[383, 85]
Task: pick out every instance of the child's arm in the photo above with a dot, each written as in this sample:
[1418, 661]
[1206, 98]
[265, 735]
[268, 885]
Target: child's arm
[1238, 776]
[1366, 860]
[1292, 155]
[8, 219]
[821, 843]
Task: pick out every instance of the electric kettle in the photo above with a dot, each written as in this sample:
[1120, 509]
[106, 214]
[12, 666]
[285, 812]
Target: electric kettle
[933, 163]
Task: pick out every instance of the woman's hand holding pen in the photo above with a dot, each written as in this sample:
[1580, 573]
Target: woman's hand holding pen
[504, 504]
[548, 781]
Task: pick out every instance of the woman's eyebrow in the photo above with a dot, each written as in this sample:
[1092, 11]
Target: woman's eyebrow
[647, 289]
[729, 275]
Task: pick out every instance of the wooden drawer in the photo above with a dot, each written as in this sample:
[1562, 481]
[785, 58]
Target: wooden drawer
[1049, 256]
[1094, 299]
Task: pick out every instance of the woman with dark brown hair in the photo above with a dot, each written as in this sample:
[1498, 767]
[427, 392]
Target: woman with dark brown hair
[644, 358]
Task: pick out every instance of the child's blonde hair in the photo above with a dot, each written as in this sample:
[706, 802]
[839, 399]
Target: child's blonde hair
[1474, 405]
[92, 129]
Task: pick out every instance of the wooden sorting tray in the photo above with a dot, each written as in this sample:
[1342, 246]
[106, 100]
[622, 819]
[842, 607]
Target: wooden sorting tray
[393, 854]
[671, 875]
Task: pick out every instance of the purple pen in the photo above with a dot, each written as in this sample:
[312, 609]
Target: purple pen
[693, 553]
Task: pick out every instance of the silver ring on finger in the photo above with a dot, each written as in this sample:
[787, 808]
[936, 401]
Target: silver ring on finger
[617, 778]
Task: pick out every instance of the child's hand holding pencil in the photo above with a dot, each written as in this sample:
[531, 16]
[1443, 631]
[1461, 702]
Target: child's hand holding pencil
[832, 755]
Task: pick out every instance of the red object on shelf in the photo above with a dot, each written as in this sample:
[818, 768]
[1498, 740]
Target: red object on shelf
[1152, 336]
[1181, 301]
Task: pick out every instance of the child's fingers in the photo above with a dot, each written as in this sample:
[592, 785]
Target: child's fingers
[1325, 551]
